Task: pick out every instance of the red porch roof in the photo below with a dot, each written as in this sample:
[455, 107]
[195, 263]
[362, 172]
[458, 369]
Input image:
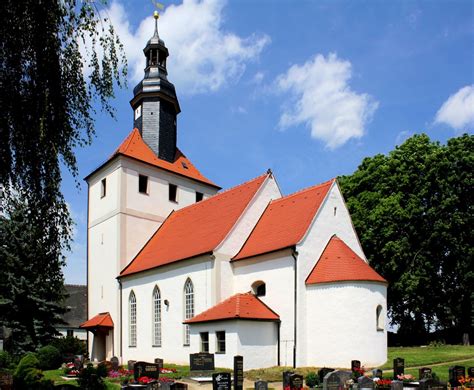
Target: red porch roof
[101, 320]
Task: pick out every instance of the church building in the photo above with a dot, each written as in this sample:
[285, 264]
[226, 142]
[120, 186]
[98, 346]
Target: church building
[175, 265]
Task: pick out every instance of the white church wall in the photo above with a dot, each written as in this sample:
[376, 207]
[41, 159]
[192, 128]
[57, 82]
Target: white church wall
[277, 271]
[170, 279]
[341, 318]
[332, 218]
[239, 233]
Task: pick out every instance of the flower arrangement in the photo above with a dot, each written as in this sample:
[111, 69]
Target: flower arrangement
[145, 380]
[168, 370]
[466, 381]
[165, 379]
[384, 383]
[357, 373]
[70, 370]
[406, 378]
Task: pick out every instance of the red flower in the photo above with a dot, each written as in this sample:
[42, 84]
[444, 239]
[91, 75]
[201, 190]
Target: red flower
[144, 380]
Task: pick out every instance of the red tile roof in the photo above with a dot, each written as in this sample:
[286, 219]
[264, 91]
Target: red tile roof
[134, 147]
[285, 221]
[240, 306]
[195, 230]
[340, 263]
[101, 320]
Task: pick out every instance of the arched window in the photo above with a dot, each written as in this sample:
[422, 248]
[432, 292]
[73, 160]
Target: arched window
[156, 309]
[259, 289]
[188, 307]
[132, 320]
[379, 320]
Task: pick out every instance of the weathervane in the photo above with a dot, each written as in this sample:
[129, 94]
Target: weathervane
[157, 5]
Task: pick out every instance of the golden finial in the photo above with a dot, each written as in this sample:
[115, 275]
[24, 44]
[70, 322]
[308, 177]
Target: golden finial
[156, 14]
[160, 6]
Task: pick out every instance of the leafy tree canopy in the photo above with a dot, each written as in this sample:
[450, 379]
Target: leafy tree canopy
[58, 58]
[413, 211]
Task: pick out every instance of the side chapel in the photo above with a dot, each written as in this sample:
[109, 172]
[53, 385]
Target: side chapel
[176, 266]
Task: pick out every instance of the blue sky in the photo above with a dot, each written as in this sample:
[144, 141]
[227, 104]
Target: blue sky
[306, 88]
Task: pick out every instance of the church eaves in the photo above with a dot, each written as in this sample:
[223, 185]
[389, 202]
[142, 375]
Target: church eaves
[339, 263]
[195, 230]
[285, 221]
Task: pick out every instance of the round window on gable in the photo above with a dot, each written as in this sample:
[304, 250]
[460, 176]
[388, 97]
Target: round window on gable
[258, 288]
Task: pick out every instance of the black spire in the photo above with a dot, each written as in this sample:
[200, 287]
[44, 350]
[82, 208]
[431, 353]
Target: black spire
[154, 102]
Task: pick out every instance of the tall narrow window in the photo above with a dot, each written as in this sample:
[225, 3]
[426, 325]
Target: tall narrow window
[204, 341]
[173, 192]
[103, 188]
[156, 317]
[138, 112]
[143, 184]
[132, 320]
[199, 196]
[188, 307]
[220, 339]
[379, 318]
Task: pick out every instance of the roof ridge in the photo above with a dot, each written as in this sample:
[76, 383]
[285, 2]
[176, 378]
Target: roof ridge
[307, 189]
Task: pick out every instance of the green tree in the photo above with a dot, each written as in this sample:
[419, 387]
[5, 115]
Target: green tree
[49, 91]
[413, 211]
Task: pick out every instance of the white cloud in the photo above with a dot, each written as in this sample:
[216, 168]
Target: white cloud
[203, 56]
[323, 100]
[458, 110]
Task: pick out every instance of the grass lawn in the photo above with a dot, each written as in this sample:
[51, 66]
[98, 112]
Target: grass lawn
[56, 375]
[442, 371]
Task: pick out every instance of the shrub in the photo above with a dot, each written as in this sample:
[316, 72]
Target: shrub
[28, 376]
[5, 359]
[312, 379]
[90, 378]
[70, 345]
[49, 358]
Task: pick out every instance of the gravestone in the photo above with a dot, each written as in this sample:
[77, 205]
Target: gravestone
[201, 361]
[355, 365]
[431, 384]
[151, 370]
[296, 381]
[377, 373]
[261, 385]
[286, 378]
[221, 381]
[130, 364]
[365, 382]
[398, 367]
[396, 385]
[336, 380]
[323, 372]
[455, 372]
[115, 363]
[238, 372]
[470, 372]
[173, 386]
[424, 373]
[159, 362]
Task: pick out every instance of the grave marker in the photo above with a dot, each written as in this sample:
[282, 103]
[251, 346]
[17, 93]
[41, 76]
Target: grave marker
[424, 373]
[431, 384]
[130, 364]
[365, 383]
[355, 365]
[221, 381]
[115, 363]
[377, 373]
[396, 385]
[455, 372]
[159, 362]
[323, 372]
[286, 378]
[238, 372]
[261, 385]
[150, 370]
[201, 361]
[470, 372]
[296, 381]
[336, 380]
[398, 367]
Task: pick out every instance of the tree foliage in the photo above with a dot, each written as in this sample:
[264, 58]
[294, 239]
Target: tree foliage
[58, 59]
[413, 211]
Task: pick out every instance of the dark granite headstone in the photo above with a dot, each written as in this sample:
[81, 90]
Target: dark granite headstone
[159, 362]
[323, 372]
[151, 370]
[296, 381]
[173, 386]
[238, 372]
[364, 382]
[286, 378]
[470, 372]
[424, 373]
[431, 384]
[336, 380]
[377, 373]
[115, 363]
[130, 364]
[221, 381]
[261, 385]
[355, 365]
[455, 372]
[201, 361]
[398, 367]
[396, 385]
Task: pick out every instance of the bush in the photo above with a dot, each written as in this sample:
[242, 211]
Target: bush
[90, 378]
[49, 358]
[28, 376]
[6, 360]
[70, 345]
[312, 379]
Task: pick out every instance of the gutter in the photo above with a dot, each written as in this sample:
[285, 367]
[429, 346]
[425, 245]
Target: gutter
[120, 316]
[294, 253]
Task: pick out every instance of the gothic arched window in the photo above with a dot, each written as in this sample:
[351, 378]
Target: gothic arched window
[188, 307]
[132, 320]
[156, 310]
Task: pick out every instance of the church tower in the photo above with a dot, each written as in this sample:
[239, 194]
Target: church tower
[132, 193]
[155, 103]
